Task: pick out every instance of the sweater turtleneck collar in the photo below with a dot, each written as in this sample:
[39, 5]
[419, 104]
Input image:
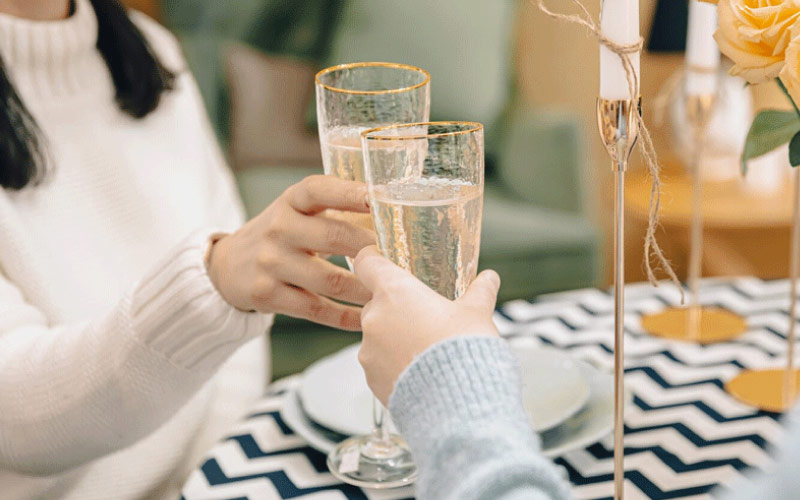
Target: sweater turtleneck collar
[51, 58]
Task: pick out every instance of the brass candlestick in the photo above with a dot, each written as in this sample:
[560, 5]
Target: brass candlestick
[777, 390]
[619, 130]
[703, 325]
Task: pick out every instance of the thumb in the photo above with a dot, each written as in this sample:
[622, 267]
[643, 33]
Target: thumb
[482, 293]
[372, 268]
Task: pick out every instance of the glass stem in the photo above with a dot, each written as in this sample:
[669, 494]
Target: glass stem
[379, 431]
[380, 436]
[379, 441]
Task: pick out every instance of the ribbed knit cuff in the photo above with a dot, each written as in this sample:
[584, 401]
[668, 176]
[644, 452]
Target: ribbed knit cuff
[177, 311]
[460, 382]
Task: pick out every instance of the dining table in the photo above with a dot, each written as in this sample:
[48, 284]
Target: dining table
[685, 437]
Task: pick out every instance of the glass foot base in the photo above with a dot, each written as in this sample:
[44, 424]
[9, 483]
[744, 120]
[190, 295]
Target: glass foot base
[765, 389]
[703, 325]
[369, 463]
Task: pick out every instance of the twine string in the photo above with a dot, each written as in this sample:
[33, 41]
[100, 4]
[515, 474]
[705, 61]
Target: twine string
[652, 249]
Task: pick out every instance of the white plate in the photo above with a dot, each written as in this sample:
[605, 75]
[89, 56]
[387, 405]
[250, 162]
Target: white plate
[292, 414]
[553, 386]
[593, 423]
[334, 391]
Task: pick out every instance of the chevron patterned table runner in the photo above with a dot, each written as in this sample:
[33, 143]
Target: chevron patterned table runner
[684, 434]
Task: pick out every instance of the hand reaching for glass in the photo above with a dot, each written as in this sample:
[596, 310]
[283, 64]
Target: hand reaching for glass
[405, 317]
[272, 263]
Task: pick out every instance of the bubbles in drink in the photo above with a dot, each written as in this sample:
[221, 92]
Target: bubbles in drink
[341, 154]
[431, 227]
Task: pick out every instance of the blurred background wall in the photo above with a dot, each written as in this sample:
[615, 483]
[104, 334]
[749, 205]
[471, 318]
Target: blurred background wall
[531, 80]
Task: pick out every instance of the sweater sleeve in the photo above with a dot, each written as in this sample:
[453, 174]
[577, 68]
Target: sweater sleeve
[71, 393]
[782, 481]
[459, 406]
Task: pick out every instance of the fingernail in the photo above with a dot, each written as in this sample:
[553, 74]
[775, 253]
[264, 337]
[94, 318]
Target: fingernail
[366, 200]
[494, 277]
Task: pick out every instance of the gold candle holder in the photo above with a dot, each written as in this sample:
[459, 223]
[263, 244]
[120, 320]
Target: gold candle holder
[703, 325]
[619, 130]
[777, 390]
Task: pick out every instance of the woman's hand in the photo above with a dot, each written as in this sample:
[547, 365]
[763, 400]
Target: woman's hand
[405, 317]
[271, 264]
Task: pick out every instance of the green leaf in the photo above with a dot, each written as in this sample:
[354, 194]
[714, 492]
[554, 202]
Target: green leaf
[770, 130]
[794, 150]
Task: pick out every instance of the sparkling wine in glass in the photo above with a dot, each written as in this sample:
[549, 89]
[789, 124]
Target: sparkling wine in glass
[352, 98]
[431, 227]
[342, 158]
[426, 193]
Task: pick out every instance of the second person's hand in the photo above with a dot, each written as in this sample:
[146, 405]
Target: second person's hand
[271, 264]
[405, 317]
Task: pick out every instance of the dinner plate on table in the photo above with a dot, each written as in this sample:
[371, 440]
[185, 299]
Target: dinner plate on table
[334, 391]
[318, 437]
[554, 388]
[591, 424]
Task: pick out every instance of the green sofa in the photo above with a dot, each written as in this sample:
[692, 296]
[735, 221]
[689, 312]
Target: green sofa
[536, 233]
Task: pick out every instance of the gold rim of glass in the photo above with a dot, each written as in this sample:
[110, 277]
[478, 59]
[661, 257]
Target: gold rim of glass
[473, 127]
[367, 65]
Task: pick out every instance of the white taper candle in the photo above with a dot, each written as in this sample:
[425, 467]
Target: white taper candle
[619, 22]
[702, 52]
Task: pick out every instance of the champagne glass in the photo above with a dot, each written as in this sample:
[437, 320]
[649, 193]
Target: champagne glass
[425, 186]
[352, 98]
[355, 97]
[426, 193]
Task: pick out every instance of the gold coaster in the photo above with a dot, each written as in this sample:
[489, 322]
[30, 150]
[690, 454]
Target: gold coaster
[704, 325]
[764, 389]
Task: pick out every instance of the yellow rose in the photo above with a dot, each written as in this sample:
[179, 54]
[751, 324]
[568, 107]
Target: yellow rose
[755, 34]
[790, 74]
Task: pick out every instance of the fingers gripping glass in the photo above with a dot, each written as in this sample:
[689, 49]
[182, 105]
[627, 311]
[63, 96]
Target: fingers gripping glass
[352, 98]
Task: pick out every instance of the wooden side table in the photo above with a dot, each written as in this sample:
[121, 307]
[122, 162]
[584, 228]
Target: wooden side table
[745, 233]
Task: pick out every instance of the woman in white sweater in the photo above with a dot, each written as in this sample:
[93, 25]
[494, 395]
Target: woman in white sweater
[132, 332]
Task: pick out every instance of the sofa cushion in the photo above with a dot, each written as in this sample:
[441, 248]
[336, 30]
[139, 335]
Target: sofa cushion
[542, 160]
[536, 250]
[269, 97]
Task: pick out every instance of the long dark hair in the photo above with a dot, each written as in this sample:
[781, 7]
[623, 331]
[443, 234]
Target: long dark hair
[139, 78]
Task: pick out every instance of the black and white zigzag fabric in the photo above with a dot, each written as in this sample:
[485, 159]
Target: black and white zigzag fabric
[684, 435]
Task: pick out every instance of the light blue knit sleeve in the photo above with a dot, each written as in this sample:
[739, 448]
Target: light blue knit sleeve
[782, 481]
[459, 406]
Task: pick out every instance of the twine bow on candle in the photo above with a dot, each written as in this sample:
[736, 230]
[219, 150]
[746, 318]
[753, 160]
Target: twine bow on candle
[652, 250]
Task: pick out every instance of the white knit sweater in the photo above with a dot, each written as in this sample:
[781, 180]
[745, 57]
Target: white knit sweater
[113, 341]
